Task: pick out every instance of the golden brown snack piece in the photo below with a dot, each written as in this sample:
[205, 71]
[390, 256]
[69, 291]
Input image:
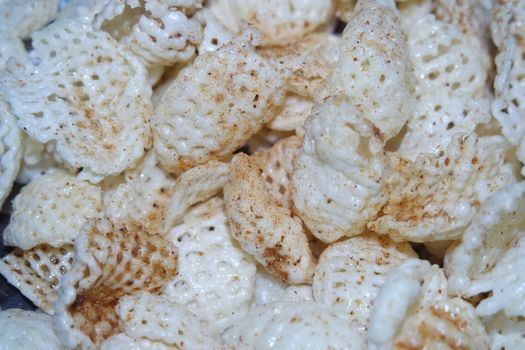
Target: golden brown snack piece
[110, 261]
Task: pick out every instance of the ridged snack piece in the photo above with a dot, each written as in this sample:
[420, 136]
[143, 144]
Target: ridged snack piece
[375, 70]
[37, 272]
[336, 183]
[19, 18]
[214, 106]
[351, 272]
[159, 32]
[87, 93]
[51, 210]
[263, 227]
[10, 150]
[111, 261]
[488, 257]
[286, 325]
[279, 22]
[215, 279]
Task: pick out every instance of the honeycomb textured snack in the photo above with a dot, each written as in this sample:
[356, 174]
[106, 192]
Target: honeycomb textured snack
[264, 228]
[10, 150]
[215, 279]
[84, 91]
[37, 272]
[110, 262]
[351, 272]
[336, 181]
[214, 106]
[51, 210]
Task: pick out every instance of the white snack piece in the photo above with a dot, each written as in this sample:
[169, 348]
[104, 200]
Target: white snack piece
[142, 196]
[215, 34]
[11, 47]
[264, 228]
[269, 289]
[509, 85]
[505, 332]
[436, 197]
[215, 279]
[375, 70]
[87, 93]
[157, 318]
[285, 325]
[10, 150]
[51, 210]
[19, 18]
[111, 261]
[412, 309]
[38, 160]
[23, 329]
[337, 178]
[489, 256]
[158, 32]
[350, 273]
[194, 186]
[280, 22]
[294, 113]
[37, 272]
[214, 106]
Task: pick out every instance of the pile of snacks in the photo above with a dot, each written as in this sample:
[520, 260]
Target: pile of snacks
[246, 174]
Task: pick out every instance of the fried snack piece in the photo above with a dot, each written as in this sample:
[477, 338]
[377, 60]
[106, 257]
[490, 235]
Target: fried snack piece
[193, 186]
[293, 114]
[87, 93]
[336, 181]
[375, 71]
[286, 325]
[264, 228]
[38, 159]
[110, 262]
[37, 272]
[158, 32]
[11, 47]
[19, 18]
[142, 196]
[350, 273]
[23, 329]
[51, 210]
[160, 323]
[412, 310]
[505, 332]
[214, 106]
[10, 150]
[269, 289]
[215, 279]
[279, 22]
[436, 197]
[509, 85]
[490, 253]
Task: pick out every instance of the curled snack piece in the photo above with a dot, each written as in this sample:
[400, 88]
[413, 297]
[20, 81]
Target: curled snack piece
[215, 279]
[214, 106]
[19, 18]
[264, 228]
[37, 272]
[10, 150]
[350, 273]
[142, 197]
[110, 262]
[337, 177]
[294, 112]
[505, 332]
[158, 32]
[159, 319]
[194, 186]
[412, 310]
[286, 325]
[280, 22]
[23, 329]
[51, 210]
[375, 71]
[489, 257]
[509, 86]
[436, 197]
[87, 93]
